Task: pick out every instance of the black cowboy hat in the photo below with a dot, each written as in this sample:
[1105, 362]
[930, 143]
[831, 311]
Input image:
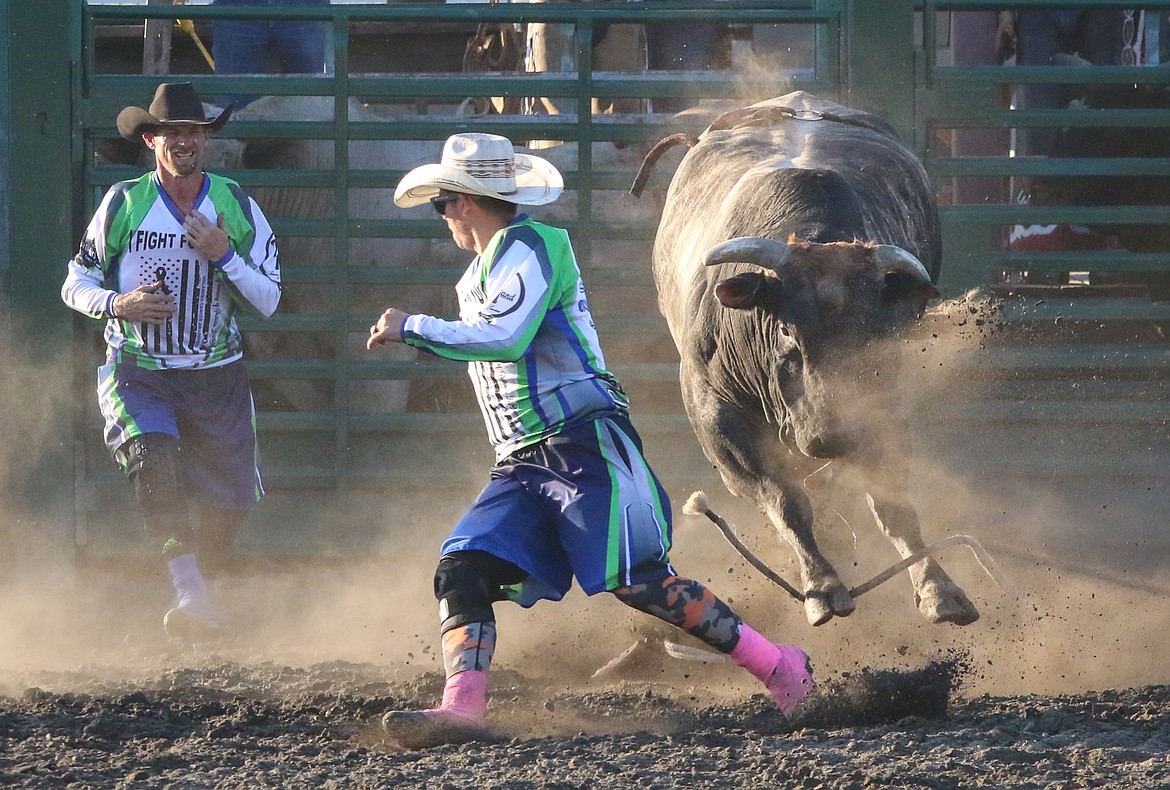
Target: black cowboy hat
[175, 104]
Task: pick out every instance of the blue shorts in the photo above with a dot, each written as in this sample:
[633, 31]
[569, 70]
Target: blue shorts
[210, 412]
[583, 503]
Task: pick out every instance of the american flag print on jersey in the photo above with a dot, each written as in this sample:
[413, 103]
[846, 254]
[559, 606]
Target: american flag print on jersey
[136, 238]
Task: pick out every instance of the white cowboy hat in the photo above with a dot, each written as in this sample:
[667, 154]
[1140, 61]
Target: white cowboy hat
[482, 164]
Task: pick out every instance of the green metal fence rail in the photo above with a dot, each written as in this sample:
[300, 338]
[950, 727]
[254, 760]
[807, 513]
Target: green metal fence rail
[1074, 388]
[316, 458]
[968, 97]
[1075, 368]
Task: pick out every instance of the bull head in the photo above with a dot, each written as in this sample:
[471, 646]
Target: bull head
[827, 304]
[903, 275]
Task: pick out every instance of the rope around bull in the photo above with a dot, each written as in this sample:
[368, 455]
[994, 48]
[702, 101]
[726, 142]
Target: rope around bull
[698, 504]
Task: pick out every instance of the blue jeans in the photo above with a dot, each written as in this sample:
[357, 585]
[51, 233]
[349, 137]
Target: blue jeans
[680, 47]
[243, 46]
[1095, 35]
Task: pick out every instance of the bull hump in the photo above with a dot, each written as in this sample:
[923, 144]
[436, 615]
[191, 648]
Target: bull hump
[818, 109]
[802, 100]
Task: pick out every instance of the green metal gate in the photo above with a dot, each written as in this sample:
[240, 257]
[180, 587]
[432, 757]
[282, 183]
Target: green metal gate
[377, 437]
[1072, 392]
[385, 440]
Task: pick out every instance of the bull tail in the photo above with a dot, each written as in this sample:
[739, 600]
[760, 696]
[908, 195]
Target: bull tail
[660, 148]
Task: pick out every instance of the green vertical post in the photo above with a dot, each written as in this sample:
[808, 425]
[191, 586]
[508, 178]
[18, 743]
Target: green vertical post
[879, 61]
[5, 167]
[40, 187]
[39, 235]
[339, 30]
[583, 43]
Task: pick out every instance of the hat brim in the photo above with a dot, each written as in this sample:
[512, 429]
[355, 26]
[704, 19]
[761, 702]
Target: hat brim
[133, 122]
[537, 182]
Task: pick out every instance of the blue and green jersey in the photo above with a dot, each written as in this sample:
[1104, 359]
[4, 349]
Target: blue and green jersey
[525, 330]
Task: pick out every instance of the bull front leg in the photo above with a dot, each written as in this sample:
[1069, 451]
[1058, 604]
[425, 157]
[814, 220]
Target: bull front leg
[937, 597]
[745, 451]
[789, 509]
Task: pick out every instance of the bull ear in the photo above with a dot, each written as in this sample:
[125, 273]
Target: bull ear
[741, 291]
[904, 276]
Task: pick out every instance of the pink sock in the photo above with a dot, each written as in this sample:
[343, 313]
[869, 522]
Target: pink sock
[755, 653]
[784, 669]
[466, 694]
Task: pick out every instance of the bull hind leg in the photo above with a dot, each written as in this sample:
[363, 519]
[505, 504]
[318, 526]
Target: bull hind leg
[937, 597]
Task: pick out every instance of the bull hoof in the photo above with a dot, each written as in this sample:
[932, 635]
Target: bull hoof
[945, 603]
[821, 606]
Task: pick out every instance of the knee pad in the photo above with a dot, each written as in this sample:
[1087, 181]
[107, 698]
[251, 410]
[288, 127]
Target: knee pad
[467, 583]
[152, 464]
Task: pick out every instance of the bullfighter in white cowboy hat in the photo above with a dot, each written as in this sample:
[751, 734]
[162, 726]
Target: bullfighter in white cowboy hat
[571, 495]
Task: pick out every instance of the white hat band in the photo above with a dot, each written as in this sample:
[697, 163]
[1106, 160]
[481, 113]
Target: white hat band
[482, 164]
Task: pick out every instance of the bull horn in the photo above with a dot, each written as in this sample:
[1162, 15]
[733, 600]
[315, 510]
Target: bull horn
[896, 259]
[768, 253]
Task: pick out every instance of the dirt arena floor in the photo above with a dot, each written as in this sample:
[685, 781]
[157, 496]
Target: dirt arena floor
[1063, 683]
[218, 723]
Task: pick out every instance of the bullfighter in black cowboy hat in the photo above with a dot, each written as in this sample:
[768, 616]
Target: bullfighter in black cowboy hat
[166, 262]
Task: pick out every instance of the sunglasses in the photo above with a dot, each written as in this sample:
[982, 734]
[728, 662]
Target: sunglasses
[440, 203]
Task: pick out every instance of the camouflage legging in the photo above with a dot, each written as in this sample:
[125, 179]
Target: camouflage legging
[689, 605]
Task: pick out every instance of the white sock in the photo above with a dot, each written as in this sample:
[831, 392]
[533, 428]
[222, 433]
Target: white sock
[190, 586]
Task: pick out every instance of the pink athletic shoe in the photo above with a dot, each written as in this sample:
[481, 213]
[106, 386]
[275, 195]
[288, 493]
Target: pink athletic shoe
[784, 669]
[791, 680]
[422, 729]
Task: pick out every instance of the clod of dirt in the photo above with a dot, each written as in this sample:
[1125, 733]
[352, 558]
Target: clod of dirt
[876, 696]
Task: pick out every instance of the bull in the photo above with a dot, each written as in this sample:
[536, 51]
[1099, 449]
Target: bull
[797, 235]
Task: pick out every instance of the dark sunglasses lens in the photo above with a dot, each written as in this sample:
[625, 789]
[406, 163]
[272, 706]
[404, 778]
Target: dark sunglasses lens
[440, 204]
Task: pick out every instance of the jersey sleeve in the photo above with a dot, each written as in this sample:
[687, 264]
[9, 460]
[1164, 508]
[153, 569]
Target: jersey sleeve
[516, 295]
[84, 288]
[252, 266]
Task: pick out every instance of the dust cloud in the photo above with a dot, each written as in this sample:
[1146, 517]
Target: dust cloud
[1075, 611]
[34, 549]
[1084, 600]
[1079, 617]
[58, 612]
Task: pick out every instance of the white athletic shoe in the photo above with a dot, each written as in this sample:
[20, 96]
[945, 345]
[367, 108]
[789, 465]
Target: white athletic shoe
[422, 729]
[190, 623]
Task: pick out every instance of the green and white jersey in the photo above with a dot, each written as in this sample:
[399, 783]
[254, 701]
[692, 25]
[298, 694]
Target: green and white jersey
[526, 332]
[136, 238]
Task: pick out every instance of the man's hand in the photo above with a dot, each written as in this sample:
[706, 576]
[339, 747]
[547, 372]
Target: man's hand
[208, 239]
[388, 329]
[145, 304]
[1005, 36]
